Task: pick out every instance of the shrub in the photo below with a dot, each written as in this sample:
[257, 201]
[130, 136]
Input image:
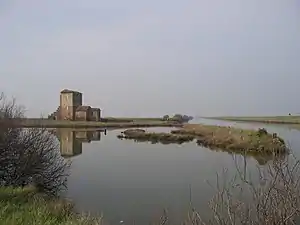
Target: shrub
[28, 156]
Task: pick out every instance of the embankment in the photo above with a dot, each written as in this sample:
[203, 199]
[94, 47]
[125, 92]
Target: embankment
[271, 119]
[46, 123]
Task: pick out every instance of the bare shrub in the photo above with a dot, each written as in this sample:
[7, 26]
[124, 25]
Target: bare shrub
[272, 199]
[28, 156]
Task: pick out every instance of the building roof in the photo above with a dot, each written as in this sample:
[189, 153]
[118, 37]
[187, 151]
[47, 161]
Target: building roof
[83, 108]
[69, 91]
[96, 109]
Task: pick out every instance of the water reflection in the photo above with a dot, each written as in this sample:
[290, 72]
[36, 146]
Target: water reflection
[127, 181]
[261, 158]
[71, 140]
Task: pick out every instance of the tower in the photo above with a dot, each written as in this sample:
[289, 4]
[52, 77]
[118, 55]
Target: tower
[69, 101]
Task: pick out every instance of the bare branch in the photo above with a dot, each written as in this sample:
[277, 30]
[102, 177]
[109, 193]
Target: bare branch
[28, 156]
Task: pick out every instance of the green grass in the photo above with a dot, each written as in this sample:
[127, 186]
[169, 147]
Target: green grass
[24, 206]
[266, 119]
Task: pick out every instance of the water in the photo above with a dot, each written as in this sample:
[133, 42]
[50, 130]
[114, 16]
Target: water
[134, 181]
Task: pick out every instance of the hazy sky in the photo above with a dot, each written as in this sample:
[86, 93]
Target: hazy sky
[148, 58]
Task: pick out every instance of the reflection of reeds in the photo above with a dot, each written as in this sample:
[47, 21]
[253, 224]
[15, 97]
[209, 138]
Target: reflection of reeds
[261, 157]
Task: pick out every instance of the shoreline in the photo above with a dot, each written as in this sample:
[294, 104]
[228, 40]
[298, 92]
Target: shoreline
[46, 123]
[268, 120]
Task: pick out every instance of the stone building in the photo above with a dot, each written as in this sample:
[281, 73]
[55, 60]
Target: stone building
[69, 102]
[96, 114]
[55, 115]
[71, 108]
[83, 113]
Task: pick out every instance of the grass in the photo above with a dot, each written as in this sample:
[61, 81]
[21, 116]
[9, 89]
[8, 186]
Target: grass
[230, 139]
[235, 139]
[24, 206]
[93, 124]
[270, 119]
[133, 119]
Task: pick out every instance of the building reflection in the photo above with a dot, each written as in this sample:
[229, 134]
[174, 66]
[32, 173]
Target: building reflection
[71, 140]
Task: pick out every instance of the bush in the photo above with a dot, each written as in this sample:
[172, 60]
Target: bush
[182, 118]
[166, 117]
[28, 156]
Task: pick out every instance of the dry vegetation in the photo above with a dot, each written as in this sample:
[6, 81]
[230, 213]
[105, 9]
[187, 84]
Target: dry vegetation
[274, 199]
[28, 156]
[165, 138]
[234, 139]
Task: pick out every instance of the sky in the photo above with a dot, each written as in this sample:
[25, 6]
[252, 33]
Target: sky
[150, 58]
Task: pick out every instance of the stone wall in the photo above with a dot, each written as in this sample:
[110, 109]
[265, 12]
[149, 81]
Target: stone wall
[96, 114]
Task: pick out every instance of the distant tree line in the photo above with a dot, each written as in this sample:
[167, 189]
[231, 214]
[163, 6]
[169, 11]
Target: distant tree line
[178, 117]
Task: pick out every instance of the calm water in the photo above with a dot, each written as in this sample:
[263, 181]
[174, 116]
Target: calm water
[127, 180]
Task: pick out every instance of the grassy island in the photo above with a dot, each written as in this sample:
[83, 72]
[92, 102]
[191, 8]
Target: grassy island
[226, 138]
[166, 138]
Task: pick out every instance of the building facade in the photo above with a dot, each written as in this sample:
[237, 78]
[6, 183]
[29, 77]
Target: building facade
[83, 113]
[69, 102]
[96, 114]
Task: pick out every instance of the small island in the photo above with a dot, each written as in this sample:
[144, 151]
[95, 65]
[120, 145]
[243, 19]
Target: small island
[226, 138]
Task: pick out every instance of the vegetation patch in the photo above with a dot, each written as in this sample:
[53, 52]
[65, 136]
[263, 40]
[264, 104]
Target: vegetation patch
[177, 117]
[235, 139]
[46, 123]
[216, 137]
[142, 135]
[25, 206]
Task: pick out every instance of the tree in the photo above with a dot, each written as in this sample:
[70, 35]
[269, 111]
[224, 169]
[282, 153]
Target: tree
[166, 117]
[28, 156]
[182, 118]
